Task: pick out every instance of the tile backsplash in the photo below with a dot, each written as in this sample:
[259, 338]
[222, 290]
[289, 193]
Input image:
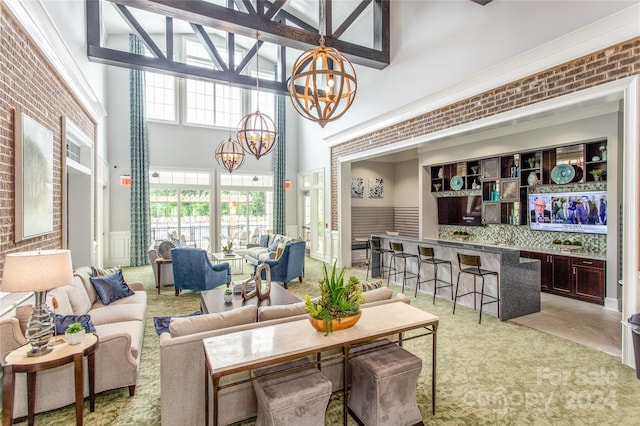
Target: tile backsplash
[522, 236]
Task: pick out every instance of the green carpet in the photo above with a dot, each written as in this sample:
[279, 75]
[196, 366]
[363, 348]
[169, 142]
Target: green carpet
[497, 373]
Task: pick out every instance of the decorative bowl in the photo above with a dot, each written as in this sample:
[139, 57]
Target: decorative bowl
[563, 173]
[456, 183]
[336, 325]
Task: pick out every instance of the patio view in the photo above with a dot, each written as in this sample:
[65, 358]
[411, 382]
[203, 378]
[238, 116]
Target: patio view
[184, 217]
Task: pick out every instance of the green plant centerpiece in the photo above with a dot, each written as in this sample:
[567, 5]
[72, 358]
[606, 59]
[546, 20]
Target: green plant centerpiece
[228, 248]
[339, 301]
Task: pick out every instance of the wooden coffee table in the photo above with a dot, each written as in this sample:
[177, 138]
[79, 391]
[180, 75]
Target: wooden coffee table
[211, 301]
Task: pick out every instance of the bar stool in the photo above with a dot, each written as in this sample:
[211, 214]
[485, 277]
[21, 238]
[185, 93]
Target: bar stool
[426, 255]
[397, 251]
[473, 267]
[376, 247]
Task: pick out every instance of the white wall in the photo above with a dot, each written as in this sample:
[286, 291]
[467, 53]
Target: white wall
[406, 184]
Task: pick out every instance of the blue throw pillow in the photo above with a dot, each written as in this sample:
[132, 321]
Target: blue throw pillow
[274, 245]
[162, 323]
[264, 240]
[111, 287]
[64, 321]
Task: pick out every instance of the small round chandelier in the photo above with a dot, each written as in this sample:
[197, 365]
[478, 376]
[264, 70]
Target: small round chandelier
[323, 81]
[257, 132]
[230, 155]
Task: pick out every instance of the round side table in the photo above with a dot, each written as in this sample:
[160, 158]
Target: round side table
[17, 361]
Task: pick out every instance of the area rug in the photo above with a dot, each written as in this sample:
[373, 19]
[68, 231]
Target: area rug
[496, 373]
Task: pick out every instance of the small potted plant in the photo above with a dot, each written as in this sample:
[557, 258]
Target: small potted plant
[228, 248]
[437, 186]
[597, 173]
[461, 235]
[228, 295]
[531, 161]
[74, 334]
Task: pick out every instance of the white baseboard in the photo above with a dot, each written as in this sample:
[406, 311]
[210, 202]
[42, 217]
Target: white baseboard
[612, 304]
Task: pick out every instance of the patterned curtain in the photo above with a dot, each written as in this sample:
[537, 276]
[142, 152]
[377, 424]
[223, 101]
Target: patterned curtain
[140, 210]
[279, 169]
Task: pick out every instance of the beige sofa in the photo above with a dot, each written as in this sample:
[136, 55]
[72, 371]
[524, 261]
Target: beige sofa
[182, 370]
[120, 329]
[255, 253]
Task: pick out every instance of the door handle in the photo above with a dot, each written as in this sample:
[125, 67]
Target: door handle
[587, 262]
[574, 270]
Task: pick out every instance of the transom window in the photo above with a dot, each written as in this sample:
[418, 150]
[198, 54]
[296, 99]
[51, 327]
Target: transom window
[210, 103]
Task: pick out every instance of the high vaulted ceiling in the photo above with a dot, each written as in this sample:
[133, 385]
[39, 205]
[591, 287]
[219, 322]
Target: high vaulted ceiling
[225, 28]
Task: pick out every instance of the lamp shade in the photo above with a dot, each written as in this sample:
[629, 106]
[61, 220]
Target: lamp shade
[37, 270]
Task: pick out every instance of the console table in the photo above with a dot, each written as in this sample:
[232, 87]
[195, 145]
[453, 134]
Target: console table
[234, 352]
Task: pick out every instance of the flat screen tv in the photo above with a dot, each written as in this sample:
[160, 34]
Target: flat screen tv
[465, 211]
[584, 212]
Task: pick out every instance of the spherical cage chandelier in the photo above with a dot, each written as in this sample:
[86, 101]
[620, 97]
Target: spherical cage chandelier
[230, 155]
[323, 84]
[257, 134]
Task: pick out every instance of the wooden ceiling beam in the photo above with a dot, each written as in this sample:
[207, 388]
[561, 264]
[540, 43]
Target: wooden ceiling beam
[237, 22]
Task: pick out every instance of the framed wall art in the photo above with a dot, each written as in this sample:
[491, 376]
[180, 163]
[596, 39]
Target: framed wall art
[357, 187]
[376, 188]
[33, 177]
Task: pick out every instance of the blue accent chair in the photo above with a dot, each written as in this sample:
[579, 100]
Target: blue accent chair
[289, 265]
[193, 270]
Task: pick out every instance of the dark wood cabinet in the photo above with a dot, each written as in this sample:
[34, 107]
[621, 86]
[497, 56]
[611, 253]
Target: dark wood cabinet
[569, 276]
[589, 277]
[562, 279]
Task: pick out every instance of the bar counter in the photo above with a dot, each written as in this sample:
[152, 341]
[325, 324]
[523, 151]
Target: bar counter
[519, 277]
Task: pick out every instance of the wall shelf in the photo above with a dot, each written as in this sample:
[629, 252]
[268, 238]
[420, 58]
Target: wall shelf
[503, 182]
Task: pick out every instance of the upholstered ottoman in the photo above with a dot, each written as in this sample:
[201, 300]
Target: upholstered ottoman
[297, 397]
[383, 385]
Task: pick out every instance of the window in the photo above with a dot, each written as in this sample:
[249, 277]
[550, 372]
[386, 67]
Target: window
[246, 207]
[267, 103]
[181, 216]
[160, 94]
[210, 103]
[180, 207]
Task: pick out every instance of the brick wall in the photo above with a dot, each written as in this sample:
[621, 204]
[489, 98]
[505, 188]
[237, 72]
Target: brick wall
[600, 67]
[29, 82]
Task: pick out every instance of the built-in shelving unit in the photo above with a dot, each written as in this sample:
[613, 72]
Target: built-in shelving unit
[504, 181]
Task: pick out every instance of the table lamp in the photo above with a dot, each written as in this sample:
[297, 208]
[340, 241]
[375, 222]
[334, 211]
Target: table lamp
[37, 271]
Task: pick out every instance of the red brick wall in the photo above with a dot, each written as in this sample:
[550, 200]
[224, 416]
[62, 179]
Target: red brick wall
[600, 67]
[29, 82]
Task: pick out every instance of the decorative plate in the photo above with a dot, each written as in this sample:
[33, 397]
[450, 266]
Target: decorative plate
[563, 173]
[456, 183]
